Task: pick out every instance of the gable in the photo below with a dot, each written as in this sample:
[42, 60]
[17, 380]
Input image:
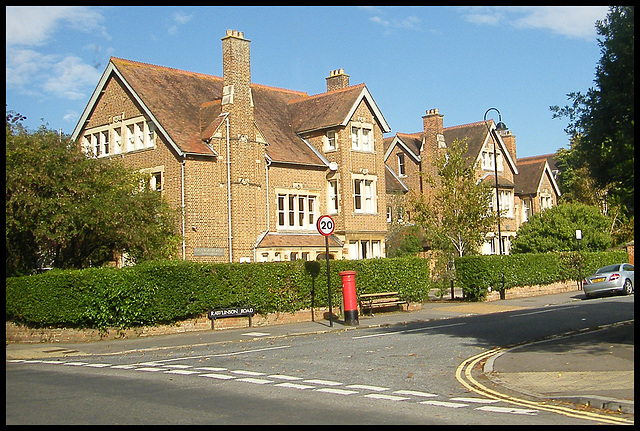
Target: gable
[410, 144]
[332, 109]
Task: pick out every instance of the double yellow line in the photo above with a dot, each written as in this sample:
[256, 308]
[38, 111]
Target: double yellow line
[464, 376]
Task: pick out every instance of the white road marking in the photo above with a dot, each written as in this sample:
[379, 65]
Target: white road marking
[382, 334]
[218, 376]
[294, 385]
[75, 364]
[322, 382]
[444, 404]
[123, 367]
[475, 400]
[254, 380]
[98, 365]
[211, 369]
[149, 369]
[368, 388]
[177, 366]
[247, 373]
[508, 410]
[284, 377]
[184, 372]
[336, 391]
[256, 334]
[386, 397]
[415, 393]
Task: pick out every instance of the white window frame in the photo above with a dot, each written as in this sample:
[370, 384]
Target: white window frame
[364, 194]
[120, 137]
[362, 137]
[332, 197]
[332, 137]
[296, 211]
[401, 165]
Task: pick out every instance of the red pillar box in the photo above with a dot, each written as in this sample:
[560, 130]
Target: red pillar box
[349, 297]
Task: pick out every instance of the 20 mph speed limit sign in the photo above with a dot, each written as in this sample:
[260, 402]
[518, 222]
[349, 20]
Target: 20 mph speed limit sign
[325, 225]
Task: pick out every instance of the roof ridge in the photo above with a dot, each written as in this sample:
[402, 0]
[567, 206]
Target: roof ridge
[326, 93]
[162, 67]
[270, 87]
[477, 123]
[416, 134]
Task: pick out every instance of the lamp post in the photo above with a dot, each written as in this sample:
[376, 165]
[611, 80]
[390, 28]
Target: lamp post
[500, 126]
[578, 238]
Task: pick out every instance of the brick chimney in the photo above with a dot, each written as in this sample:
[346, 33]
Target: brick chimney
[510, 142]
[433, 129]
[236, 74]
[337, 79]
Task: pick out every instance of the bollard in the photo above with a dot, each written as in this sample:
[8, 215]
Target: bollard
[350, 300]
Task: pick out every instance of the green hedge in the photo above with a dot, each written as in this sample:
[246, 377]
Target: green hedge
[475, 274]
[168, 291]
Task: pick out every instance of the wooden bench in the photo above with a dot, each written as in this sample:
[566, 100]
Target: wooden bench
[380, 300]
[230, 312]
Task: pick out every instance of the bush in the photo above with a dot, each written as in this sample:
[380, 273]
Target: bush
[476, 274]
[166, 291]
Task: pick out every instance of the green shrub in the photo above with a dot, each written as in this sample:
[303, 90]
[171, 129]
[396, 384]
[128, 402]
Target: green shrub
[476, 274]
[156, 292]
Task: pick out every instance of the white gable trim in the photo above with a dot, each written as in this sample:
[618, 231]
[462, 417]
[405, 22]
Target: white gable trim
[547, 170]
[109, 71]
[404, 186]
[399, 142]
[502, 147]
[364, 94]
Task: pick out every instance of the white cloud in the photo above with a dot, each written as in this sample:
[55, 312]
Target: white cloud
[569, 21]
[410, 22]
[32, 73]
[35, 25]
[70, 78]
[179, 18]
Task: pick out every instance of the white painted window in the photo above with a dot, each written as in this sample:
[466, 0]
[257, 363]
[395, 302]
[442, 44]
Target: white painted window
[332, 197]
[362, 137]
[364, 195]
[296, 211]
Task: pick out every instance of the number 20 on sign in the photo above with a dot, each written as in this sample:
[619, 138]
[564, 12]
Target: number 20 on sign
[326, 225]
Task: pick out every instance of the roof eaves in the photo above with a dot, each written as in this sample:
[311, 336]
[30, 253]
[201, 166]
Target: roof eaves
[112, 69]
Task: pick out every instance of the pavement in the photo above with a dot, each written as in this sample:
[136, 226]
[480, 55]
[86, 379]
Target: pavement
[594, 368]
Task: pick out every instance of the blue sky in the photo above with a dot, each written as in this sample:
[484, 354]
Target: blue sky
[461, 60]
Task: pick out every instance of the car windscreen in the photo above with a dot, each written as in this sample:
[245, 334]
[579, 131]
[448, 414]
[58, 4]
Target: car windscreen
[609, 268]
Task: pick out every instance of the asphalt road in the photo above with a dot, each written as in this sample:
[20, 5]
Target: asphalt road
[395, 368]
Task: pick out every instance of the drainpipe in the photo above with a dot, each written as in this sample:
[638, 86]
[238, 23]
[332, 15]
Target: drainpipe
[184, 158]
[266, 232]
[229, 194]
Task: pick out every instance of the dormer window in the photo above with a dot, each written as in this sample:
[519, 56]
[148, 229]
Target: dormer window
[362, 137]
[401, 170]
[331, 140]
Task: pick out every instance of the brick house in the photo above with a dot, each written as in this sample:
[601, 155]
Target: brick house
[250, 167]
[524, 186]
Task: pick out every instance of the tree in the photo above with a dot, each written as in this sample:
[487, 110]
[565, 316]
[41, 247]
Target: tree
[603, 118]
[554, 230]
[456, 216]
[66, 210]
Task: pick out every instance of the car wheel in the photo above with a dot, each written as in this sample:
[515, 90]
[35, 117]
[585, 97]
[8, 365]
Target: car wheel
[628, 287]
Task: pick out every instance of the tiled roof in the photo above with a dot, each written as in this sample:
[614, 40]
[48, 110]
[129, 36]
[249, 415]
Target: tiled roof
[528, 179]
[475, 134]
[187, 105]
[297, 240]
[323, 110]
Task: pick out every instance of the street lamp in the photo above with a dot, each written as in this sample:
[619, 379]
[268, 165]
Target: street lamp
[578, 238]
[500, 126]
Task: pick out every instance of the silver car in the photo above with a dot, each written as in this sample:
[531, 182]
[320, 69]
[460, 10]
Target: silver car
[611, 278]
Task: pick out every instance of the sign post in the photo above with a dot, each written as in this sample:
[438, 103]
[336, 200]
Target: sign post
[326, 227]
